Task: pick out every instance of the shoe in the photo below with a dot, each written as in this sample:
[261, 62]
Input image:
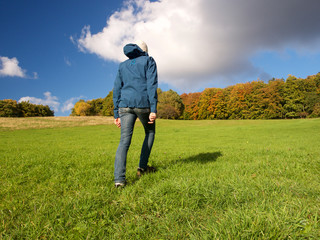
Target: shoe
[142, 171]
[120, 184]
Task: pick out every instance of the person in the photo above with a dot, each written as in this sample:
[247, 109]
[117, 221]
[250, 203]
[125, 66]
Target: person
[135, 96]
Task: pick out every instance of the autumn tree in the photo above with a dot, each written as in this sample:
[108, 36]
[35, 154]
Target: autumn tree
[82, 108]
[272, 100]
[255, 99]
[191, 105]
[276, 99]
[206, 108]
[239, 101]
[219, 104]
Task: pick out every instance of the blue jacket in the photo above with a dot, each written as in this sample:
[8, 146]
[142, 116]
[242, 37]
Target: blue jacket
[136, 82]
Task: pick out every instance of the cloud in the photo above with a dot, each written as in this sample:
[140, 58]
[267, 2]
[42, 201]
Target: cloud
[66, 60]
[196, 41]
[35, 75]
[51, 101]
[69, 104]
[72, 40]
[10, 68]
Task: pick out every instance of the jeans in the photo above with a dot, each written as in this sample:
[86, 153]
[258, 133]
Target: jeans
[128, 118]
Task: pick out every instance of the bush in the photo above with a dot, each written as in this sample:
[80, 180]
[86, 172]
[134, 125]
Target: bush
[10, 108]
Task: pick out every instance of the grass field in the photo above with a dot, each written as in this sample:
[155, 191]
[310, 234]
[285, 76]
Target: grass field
[215, 180]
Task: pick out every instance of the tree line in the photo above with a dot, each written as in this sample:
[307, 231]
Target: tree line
[277, 99]
[170, 106]
[10, 108]
[94, 107]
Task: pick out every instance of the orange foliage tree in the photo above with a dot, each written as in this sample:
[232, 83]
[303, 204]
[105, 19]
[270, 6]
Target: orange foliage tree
[257, 100]
[82, 108]
[191, 105]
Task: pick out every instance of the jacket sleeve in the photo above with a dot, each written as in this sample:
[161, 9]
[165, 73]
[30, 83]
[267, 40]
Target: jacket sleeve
[117, 94]
[152, 84]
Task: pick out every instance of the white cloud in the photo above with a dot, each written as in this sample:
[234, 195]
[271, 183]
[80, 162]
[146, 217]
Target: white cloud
[196, 41]
[10, 68]
[69, 104]
[35, 75]
[72, 39]
[51, 101]
[66, 60]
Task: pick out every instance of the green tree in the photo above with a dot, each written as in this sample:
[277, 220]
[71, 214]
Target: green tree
[27, 109]
[299, 97]
[96, 107]
[170, 105]
[316, 110]
[42, 111]
[9, 108]
[107, 105]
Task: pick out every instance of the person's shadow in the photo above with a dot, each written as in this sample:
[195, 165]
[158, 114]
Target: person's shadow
[203, 157]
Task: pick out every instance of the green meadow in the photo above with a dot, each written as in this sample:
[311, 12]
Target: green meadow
[245, 179]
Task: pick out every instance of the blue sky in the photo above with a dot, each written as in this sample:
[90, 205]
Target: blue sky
[50, 55]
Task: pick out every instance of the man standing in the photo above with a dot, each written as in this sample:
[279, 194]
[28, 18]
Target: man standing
[135, 96]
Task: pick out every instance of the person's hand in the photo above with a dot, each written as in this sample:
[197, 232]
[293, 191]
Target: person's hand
[117, 122]
[152, 118]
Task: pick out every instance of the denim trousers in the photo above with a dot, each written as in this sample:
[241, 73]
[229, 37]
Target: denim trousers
[128, 117]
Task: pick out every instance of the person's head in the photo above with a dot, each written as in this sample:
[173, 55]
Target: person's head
[141, 44]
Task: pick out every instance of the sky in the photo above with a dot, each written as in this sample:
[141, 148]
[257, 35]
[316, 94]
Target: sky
[57, 52]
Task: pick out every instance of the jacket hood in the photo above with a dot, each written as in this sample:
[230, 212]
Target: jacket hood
[133, 51]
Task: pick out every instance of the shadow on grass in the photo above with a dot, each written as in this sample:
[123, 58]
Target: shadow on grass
[203, 157]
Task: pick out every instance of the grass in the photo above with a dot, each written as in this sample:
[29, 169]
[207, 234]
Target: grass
[216, 180]
[51, 122]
